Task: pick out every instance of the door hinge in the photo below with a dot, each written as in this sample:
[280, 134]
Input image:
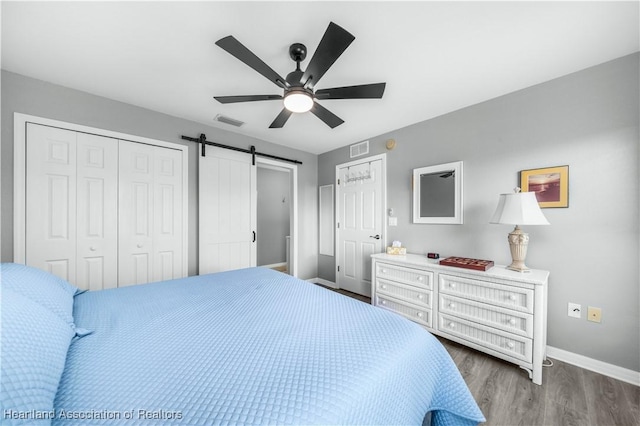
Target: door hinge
[338, 181]
[338, 225]
[338, 268]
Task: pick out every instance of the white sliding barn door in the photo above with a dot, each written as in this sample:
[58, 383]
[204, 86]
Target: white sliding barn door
[150, 197]
[51, 200]
[360, 195]
[227, 211]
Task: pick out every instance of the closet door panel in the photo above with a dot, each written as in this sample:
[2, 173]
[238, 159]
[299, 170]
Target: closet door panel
[135, 215]
[167, 218]
[51, 200]
[97, 212]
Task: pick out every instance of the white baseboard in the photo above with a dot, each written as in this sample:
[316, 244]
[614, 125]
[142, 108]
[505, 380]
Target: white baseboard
[595, 365]
[323, 282]
[274, 265]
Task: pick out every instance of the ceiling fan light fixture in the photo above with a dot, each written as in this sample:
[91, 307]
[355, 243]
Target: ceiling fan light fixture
[298, 101]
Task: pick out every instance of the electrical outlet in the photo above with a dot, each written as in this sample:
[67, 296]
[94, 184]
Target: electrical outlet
[574, 310]
[594, 314]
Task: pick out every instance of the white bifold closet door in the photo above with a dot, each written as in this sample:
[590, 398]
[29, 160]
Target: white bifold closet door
[92, 200]
[150, 234]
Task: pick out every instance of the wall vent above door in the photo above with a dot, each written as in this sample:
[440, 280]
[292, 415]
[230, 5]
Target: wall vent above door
[358, 149]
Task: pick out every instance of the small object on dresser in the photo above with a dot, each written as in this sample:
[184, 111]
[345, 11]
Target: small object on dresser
[397, 250]
[433, 255]
[467, 263]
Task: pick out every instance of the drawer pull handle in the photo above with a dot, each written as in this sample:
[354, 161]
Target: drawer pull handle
[420, 314]
[384, 286]
[452, 305]
[512, 298]
[92, 248]
[452, 285]
[420, 297]
[452, 325]
[384, 271]
[512, 321]
[419, 278]
[384, 302]
[510, 345]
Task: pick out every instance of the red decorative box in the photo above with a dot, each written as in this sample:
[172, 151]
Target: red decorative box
[467, 263]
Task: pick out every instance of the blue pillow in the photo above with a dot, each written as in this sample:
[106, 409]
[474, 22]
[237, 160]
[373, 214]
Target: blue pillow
[34, 347]
[47, 290]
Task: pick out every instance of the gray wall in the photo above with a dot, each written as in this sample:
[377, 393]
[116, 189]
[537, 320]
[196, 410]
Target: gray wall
[273, 215]
[588, 120]
[35, 97]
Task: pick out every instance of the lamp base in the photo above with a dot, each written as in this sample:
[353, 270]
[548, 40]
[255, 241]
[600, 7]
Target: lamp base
[518, 242]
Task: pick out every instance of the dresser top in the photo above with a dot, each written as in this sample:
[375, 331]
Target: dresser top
[535, 276]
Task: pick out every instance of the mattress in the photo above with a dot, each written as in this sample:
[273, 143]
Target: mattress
[252, 346]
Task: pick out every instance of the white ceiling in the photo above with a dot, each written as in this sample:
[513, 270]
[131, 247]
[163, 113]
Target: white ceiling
[436, 57]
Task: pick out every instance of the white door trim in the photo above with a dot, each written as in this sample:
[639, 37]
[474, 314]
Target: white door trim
[19, 173]
[383, 158]
[293, 168]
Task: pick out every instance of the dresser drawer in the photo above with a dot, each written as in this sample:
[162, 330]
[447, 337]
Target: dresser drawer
[512, 297]
[517, 347]
[414, 313]
[416, 295]
[405, 275]
[505, 319]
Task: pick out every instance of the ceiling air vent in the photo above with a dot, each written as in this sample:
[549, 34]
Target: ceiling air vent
[359, 149]
[227, 120]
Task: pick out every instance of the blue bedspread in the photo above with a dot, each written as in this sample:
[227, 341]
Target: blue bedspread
[253, 346]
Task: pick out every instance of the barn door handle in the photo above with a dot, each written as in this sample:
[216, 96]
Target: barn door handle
[254, 236]
[377, 236]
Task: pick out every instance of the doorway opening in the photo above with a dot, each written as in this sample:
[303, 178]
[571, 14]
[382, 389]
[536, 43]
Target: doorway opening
[277, 215]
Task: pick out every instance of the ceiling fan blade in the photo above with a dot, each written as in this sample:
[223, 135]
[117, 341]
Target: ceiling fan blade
[245, 98]
[334, 41]
[363, 91]
[237, 49]
[325, 115]
[281, 119]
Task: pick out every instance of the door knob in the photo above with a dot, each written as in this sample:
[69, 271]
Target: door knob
[377, 236]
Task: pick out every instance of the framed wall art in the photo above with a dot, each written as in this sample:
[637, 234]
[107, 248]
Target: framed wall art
[551, 185]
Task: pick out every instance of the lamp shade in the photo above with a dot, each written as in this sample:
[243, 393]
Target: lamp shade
[519, 208]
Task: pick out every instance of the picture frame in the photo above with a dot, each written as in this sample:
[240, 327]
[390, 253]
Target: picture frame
[551, 185]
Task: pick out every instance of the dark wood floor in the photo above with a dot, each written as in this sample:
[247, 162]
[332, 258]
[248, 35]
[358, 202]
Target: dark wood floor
[569, 395]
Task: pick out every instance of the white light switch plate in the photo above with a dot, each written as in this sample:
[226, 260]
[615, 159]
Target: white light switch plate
[393, 221]
[574, 310]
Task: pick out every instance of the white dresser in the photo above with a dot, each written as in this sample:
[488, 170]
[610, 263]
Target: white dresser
[499, 312]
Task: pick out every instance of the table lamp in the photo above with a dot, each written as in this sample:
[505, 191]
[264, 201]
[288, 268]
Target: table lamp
[518, 208]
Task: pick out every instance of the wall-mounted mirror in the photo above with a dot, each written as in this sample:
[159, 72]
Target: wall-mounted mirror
[437, 193]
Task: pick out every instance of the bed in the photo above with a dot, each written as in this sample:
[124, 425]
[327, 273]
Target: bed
[251, 346]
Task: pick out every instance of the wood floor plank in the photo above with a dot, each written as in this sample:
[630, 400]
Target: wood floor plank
[563, 415]
[527, 404]
[566, 387]
[494, 391]
[608, 404]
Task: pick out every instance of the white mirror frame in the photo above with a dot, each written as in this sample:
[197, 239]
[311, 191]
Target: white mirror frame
[458, 199]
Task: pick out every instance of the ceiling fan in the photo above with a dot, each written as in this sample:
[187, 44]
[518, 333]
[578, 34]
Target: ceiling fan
[299, 86]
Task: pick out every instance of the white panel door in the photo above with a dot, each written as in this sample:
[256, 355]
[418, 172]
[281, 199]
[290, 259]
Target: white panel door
[51, 200]
[97, 212]
[135, 240]
[360, 221]
[227, 211]
[167, 218]
[150, 235]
